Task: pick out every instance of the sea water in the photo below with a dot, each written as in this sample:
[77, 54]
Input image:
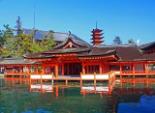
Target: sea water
[17, 98]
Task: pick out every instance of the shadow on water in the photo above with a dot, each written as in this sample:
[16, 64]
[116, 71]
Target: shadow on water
[18, 98]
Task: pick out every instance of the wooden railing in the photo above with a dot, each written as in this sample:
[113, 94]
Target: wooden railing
[138, 72]
[93, 76]
[15, 73]
[45, 77]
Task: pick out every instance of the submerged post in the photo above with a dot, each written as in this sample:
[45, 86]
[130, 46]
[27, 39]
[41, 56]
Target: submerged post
[81, 79]
[94, 79]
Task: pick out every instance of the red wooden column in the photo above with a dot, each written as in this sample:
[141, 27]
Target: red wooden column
[133, 72]
[43, 69]
[121, 74]
[35, 69]
[56, 70]
[146, 73]
[83, 68]
[21, 73]
[133, 68]
[29, 74]
[146, 68]
[63, 69]
[100, 68]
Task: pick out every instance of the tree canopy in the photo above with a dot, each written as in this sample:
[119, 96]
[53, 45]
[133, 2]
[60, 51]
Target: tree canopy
[16, 45]
[131, 41]
[117, 40]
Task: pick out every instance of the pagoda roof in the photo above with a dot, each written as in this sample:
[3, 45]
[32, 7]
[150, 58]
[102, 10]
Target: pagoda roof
[97, 30]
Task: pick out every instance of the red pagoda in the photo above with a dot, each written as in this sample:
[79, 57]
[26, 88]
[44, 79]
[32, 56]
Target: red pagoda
[97, 37]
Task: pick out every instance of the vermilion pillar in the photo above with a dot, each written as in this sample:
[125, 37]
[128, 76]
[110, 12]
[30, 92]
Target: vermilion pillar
[100, 68]
[56, 70]
[63, 69]
[83, 68]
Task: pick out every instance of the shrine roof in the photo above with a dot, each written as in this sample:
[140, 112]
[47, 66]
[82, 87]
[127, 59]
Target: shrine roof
[125, 52]
[16, 61]
[72, 44]
[147, 45]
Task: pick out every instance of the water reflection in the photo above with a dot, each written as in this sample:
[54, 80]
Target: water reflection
[145, 105]
[17, 96]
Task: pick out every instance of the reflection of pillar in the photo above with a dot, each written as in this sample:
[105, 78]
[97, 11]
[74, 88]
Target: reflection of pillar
[66, 82]
[147, 81]
[81, 80]
[121, 75]
[147, 76]
[30, 82]
[95, 79]
[56, 91]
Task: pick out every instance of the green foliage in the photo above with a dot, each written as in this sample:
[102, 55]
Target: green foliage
[7, 47]
[117, 40]
[47, 42]
[20, 44]
[131, 41]
[1, 39]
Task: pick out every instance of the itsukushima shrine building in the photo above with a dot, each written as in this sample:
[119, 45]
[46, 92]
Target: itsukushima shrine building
[75, 60]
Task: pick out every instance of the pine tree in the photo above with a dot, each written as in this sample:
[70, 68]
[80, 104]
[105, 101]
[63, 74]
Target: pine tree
[117, 40]
[131, 41]
[19, 26]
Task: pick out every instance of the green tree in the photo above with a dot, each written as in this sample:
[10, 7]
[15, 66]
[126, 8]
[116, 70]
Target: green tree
[8, 42]
[48, 42]
[19, 26]
[117, 41]
[1, 39]
[13, 46]
[23, 44]
[131, 41]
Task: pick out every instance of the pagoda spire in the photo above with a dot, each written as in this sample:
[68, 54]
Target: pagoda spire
[97, 36]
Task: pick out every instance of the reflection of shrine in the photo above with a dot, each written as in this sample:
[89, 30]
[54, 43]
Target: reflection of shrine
[128, 91]
[41, 88]
[95, 90]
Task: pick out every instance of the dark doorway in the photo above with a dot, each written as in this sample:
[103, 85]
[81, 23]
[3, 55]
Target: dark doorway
[72, 69]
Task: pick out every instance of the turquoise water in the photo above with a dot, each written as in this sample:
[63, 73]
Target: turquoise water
[17, 98]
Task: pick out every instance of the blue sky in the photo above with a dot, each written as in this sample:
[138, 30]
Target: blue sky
[125, 18]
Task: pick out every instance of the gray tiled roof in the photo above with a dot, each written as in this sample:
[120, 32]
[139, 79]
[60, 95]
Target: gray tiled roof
[58, 36]
[16, 61]
[147, 45]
